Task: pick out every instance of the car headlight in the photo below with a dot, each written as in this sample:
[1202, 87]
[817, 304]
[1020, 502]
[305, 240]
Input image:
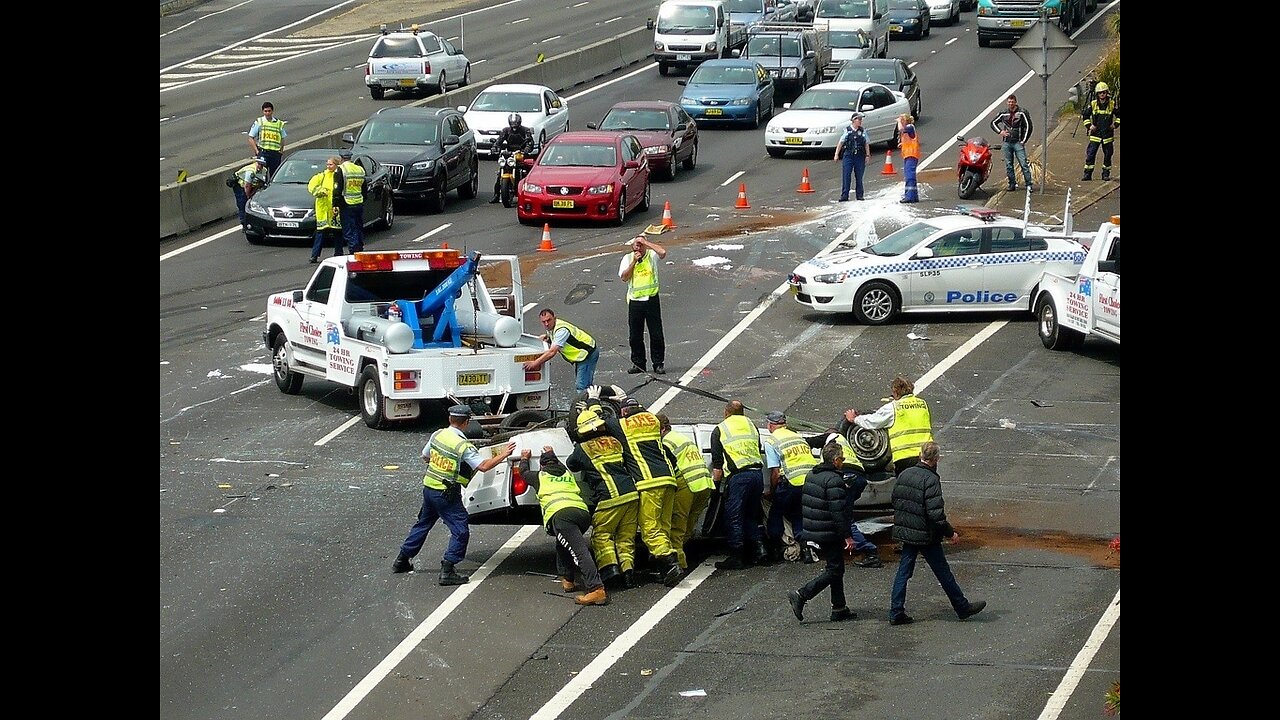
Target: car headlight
[424, 165]
[741, 101]
[532, 188]
[684, 100]
[832, 278]
[657, 150]
[255, 206]
[790, 72]
[604, 189]
[711, 47]
[910, 21]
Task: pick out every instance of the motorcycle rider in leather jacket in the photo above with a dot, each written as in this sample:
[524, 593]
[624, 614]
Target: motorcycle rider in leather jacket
[515, 136]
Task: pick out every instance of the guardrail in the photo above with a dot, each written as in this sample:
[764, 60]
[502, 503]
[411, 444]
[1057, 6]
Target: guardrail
[205, 199]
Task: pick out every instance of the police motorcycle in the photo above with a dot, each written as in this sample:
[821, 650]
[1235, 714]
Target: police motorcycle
[513, 165]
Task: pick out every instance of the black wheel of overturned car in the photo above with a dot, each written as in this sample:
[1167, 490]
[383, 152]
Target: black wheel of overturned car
[373, 406]
[522, 419]
[875, 304]
[289, 382]
[871, 447]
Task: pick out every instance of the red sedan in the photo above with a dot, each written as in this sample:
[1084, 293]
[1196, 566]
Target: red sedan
[668, 134]
[587, 175]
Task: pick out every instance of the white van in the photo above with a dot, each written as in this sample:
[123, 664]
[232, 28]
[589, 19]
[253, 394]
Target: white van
[870, 16]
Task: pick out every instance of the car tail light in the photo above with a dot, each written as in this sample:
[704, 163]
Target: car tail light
[426, 68]
[367, 70]
[518, 484]
[532, 376]
[406, 379]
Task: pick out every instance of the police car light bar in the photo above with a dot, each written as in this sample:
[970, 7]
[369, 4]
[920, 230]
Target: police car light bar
[438, 259]
[984, 214]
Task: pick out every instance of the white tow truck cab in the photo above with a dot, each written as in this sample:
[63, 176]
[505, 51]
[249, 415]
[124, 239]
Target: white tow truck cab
[405, 327]
[1070, 308]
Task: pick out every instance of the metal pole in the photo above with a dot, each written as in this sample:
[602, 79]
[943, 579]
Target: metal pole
[1044, 75]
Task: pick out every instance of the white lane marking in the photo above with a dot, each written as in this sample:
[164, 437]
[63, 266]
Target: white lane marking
[577, 5]
[198, 243]
[477, 62]
[553, 37]
[259, 36]
[950, 41]
[429, 233]
[420, 633]
[337, 431]
[603, 85]
[274, 89]
[529, 306]
[517, 22]
[202, 17]
[972, 343]
[1059, 699]
[624, 642]
[612, 19]
[733, 177]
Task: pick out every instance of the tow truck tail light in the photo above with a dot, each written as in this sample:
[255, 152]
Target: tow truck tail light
[518, 484]
[533, 376]
[1115, 219]
[406, 379]
[440, 258]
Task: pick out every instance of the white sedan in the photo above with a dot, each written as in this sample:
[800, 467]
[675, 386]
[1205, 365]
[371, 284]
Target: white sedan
[817, 118]
[545, 113]
[944, 11]
[952, 263]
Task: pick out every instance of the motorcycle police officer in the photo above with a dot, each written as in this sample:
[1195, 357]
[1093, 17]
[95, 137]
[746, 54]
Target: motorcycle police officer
[515, 136]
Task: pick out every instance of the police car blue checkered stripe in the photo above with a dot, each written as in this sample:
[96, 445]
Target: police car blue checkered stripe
[959, 261]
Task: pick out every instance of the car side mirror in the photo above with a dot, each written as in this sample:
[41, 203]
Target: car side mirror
[348, 138]
[682, 82]
[451, 140]
[553, 110]
[297, 296]
[867, 107]
[810, 54]
[1109, 266]
[457, 50]
[735, 52]
[786, 106]
[593, 126]
[681, 127]
[923, 254]
[631, 164]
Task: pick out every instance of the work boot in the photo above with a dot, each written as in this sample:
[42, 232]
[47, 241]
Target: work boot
[871, 560]
[635, 370]
[1012, 187]
[662, 370]
[1088, 175]
[449, 576]
[973, 609]
[1106, 173]
[760, 554]
[629, 578]
[401, 565]
[672, 574]
[494, 201]
[566, 584]
[609, 574]
[903, 619]
[734, 561]
[841, 614]
[593, 597]
[797, 604]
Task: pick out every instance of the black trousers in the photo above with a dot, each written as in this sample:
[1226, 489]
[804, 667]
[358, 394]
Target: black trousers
[832, 575]
[572, 551]
[640, 314]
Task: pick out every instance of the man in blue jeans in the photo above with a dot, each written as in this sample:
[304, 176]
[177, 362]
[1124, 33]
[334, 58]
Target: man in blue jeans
[1014, 126]
[572, 343]
[920, 524]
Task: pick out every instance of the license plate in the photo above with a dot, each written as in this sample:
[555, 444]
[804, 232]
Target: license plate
[562, 203]
[683, 57]
[408, 83]
[474, 378]
[1017, 23]
[775, 72]
[793, 140]
[714, 111]
[287, 224]
[895, 28]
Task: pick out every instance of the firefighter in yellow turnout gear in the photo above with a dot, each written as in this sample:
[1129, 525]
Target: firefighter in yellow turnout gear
[693, 486]
[598, 455]
[565, 515]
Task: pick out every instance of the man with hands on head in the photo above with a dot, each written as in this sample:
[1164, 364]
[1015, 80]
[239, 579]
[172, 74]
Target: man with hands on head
[639, 268]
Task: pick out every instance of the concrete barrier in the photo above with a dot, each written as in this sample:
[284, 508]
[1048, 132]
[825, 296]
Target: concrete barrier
[205, 198]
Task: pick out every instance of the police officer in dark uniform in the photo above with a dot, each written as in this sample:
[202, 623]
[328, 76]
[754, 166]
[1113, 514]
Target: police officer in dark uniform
[515, 136]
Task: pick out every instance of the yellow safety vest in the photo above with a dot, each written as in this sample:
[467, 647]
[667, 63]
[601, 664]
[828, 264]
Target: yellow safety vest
[270, 134]
[352, 183]
[797, 456]
[580, 344]
[648, 463]
[557, 492]
[605, 454]
[445, 458]
[741, 442]
[250, 175]
[911, 427]
[690, 466]
[850, 457]
[644, 278]
[321, 188]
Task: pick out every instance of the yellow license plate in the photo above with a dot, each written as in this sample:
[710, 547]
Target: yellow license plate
[714, 111]
[474, 378]
[793, 140]
[408, 83]
[1017, 23]
[562, 203]
[895, 28]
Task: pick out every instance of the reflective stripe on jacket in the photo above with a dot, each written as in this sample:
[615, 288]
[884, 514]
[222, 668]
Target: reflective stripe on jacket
[741, 442]
[580, 343]
[648, 463]
[352, 183]
[797, 456]
[270, 134]
[910, 146]
[690, 465]
[605, 454]
[321, 187]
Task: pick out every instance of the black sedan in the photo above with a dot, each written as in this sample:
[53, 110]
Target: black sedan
[429, 152]
[908, 18]
[893, 73]
[285, 210]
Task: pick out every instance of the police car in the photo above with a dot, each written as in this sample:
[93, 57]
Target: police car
[953, 263]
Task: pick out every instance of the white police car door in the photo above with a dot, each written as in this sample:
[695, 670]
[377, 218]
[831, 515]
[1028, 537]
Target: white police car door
[1013, 267]
[951, 276]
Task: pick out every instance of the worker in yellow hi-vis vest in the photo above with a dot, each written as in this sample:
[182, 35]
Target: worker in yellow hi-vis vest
[906, 417]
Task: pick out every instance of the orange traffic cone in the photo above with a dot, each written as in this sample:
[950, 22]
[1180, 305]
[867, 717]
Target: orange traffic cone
[888, 163]
[546, 245]
[742, 197]
[667, 222]
[805, 187]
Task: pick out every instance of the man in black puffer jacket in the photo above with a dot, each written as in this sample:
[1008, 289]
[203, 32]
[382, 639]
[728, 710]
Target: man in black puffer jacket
[827, 512]
[920, 524]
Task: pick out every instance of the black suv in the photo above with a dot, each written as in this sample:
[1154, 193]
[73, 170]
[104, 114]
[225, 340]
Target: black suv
[429, 152]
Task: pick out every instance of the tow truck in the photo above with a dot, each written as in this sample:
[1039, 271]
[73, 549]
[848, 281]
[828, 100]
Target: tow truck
[405, 327]
[1070, 308]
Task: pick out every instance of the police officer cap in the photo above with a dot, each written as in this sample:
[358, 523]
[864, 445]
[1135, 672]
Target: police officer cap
[856, 116]
[260, 159]
[776, 417]
[459, 411]
[345, 154]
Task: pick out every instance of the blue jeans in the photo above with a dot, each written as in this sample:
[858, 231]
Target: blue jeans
[586, 370]
[742, 507]
[786, 506]
[241, 201]
[353, 227]
[1018, 151]
[855, 165]
[937, 560]
[435, 507]
[858, 483]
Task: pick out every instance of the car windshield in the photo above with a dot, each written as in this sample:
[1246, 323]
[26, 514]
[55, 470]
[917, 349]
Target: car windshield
[687, 19]
[566, 155]
[773, 46]
[736, 75]
[844, 9]
[298, 170]
[902, 4]
[850, 39]
[903, 240]
[883, 74]
[824, 99]
[629, 119]
[384, 131]
[746, 6]
[395, 47]
[508, 101]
